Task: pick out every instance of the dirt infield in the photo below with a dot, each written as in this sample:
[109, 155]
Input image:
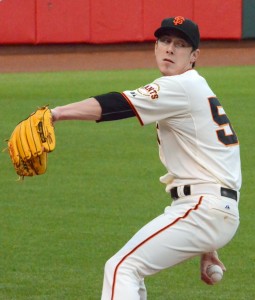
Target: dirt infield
[48, 58]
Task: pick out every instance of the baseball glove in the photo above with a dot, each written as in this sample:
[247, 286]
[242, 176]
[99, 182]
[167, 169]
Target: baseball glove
[30, 143]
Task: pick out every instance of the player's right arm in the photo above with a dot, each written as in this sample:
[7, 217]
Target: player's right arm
[207, 259]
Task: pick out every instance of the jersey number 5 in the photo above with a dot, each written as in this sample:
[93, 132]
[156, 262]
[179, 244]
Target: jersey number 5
[226, 133]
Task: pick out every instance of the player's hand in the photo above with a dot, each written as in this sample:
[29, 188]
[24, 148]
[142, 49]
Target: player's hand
[208, 259]
[54, 115]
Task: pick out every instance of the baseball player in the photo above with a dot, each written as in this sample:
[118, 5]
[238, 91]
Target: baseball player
[200, 151]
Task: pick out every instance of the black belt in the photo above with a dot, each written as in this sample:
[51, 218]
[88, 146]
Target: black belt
[187, 192]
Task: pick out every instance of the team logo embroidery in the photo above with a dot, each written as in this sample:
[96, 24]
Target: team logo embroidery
[178, 20]
[150, 90]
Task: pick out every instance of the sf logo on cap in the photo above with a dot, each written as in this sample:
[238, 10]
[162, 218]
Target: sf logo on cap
[178, 20]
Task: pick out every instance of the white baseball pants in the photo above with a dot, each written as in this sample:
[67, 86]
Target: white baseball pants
[191, 226]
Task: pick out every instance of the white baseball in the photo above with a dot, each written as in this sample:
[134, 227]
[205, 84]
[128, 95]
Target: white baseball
[215, 273]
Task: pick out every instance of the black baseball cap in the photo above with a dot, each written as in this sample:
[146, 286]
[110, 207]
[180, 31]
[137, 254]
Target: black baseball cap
[186, 27]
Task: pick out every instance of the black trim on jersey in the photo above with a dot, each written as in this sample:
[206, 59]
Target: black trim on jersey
[114, 107]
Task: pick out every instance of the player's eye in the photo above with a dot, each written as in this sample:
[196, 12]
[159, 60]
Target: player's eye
[177, 43]
[180, 44]
[164, 40]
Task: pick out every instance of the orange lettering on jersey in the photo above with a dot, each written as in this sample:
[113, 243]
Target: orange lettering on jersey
[150, 90]
[178, 20]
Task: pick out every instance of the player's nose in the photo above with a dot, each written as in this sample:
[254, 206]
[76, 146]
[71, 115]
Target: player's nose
[170, 48]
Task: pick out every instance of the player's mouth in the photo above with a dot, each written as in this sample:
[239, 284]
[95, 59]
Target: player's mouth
[168, 60]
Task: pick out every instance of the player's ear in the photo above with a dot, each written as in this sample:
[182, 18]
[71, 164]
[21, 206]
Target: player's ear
[156, 47]
[194, 55]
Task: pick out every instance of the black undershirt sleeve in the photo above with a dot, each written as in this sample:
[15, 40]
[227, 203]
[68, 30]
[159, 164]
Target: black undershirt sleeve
[114, 107]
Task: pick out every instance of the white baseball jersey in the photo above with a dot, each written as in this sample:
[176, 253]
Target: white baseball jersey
[197, 143]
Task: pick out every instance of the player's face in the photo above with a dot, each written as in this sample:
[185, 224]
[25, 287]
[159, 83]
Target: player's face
[174, 55]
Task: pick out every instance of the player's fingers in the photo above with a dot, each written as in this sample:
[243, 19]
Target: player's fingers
[205, 278]
[218, 262]
[224, 269]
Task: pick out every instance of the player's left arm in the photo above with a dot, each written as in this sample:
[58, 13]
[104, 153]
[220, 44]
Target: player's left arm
[88, 109]
[106, 107]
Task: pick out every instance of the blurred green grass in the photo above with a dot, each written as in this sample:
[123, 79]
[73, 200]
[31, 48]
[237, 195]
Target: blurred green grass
[58, 230]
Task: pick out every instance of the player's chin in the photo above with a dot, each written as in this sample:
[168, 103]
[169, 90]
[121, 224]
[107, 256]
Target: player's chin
[167, 69]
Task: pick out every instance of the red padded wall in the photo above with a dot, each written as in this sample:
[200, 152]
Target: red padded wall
[111, 21]
[155, 11]
[219, 19]
[61, 21]
[17, 21]
[116, 21]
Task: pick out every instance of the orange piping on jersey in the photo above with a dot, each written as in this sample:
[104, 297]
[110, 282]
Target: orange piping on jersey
[133, 108]
[149, 238]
